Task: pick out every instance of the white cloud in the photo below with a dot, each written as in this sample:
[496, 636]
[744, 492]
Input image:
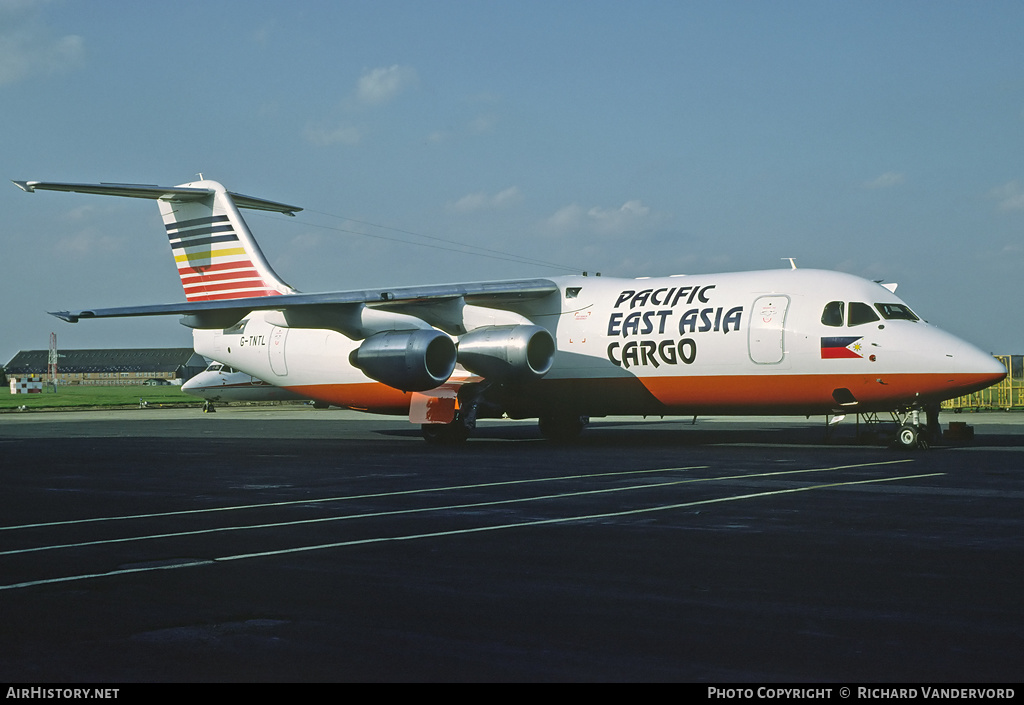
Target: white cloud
[261, 35]
[617, 220]
[480, 125]
[483, 201]
[887, 180]
[631, 216]
[375, 87]
[86, 244]
[328, 136]
[28, 52]
[1010, 196]
[82, 213]
[28, 48]
[483, 124]
[382, 84]
[566, 219]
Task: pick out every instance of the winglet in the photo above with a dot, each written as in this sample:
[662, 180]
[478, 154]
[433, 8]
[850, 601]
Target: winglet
[26, 186]
[64, 316]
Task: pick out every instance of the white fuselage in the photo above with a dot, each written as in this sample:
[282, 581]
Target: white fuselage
[747, 342]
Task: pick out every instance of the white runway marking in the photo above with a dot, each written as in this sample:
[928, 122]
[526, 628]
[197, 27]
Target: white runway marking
[562, 520]
[408, 537]
[344, 498]
[397, 512]
[424, 490]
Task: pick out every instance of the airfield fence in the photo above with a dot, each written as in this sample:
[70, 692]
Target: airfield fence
[1008, 394]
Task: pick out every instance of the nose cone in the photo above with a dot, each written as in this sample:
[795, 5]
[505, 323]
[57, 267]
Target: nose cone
[976, 369]
[193, 386]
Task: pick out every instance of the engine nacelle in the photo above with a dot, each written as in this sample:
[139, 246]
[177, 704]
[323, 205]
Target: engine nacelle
[410, 360]
[508, 353]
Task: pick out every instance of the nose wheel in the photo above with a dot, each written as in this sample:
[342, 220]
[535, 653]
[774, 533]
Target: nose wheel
[911, 437]
[914, 435]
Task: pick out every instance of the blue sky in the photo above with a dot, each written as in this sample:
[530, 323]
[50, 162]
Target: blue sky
[884, 139]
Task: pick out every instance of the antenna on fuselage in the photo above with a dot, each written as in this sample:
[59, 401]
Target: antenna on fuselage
[791, 260]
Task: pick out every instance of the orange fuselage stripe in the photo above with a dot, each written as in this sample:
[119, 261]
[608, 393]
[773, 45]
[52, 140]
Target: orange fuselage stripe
[722, 394]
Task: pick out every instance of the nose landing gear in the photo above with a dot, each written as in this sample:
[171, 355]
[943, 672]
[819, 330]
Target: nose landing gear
[910, 437]
[912, 433]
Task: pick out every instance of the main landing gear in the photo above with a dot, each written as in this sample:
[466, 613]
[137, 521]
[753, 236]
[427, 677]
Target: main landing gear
[453, 433]
[558, 428]
[458, 430]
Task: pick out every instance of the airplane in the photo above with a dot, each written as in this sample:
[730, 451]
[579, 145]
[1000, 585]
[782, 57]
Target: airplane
[562, 349]
[219, 382]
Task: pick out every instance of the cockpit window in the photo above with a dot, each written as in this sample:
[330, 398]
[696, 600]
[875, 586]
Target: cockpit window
[858, 313]
[896, 312]
[833, 314]
[861, 313]
[220, 367]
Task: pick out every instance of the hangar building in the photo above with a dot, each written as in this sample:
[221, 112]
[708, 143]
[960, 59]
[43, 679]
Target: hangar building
[110, 367]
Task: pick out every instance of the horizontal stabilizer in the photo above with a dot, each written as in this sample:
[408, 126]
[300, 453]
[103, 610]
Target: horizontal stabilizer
[153, 192]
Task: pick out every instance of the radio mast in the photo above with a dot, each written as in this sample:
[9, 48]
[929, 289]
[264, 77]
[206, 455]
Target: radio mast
[51, 366]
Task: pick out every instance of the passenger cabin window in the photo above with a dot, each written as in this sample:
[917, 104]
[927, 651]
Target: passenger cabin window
[860, 314]
[833, 314]
[896, 312]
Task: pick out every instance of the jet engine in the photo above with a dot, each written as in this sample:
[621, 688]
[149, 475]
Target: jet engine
[410, 360]
[508, 353]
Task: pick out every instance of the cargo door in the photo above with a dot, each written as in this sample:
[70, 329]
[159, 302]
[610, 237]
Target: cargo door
[768, 329]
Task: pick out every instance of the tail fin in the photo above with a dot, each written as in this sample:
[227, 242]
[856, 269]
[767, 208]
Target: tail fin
[216, 255]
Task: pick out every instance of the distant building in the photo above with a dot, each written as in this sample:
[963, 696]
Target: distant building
[110, 367]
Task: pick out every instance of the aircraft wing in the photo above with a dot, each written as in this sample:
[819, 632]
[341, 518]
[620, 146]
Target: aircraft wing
[507, 295]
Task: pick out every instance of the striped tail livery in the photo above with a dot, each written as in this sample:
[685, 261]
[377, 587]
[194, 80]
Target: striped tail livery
[216, 255]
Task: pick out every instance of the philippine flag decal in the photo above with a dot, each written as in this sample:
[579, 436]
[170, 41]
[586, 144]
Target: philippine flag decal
[842, 347]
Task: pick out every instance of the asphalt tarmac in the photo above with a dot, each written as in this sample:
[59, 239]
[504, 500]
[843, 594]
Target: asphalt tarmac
[287, 544]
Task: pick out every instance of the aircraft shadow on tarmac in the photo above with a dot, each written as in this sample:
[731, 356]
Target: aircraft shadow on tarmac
[670, 433]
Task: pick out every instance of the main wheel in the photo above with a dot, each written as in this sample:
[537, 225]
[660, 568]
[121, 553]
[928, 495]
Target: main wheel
[445, 433]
